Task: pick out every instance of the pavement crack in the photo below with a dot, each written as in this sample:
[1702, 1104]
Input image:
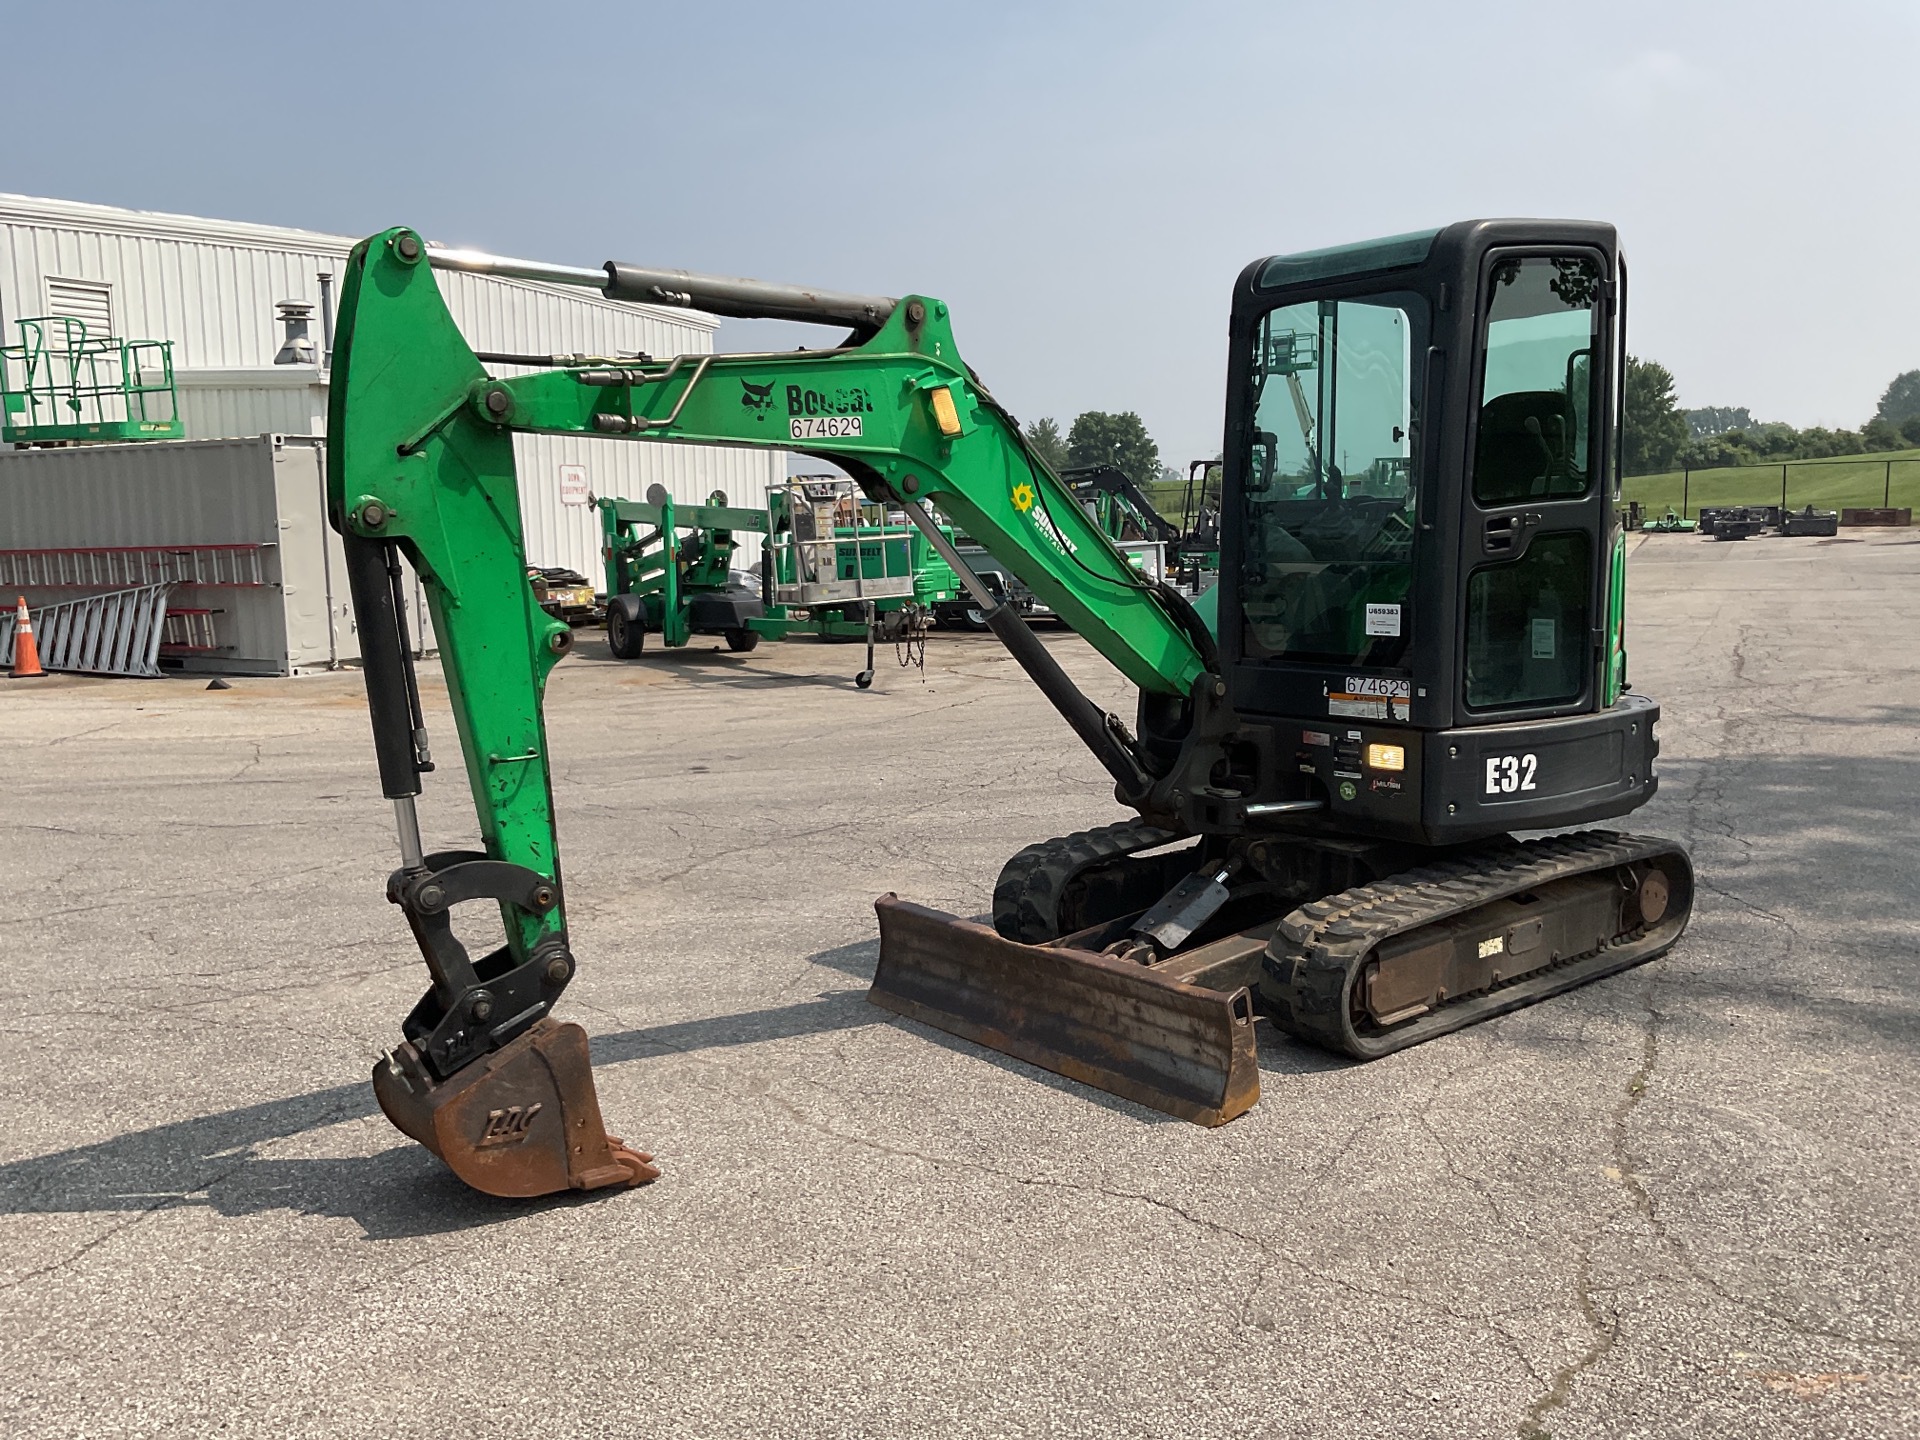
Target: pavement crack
[1604, 1328]
[81, 1252]
[1606, 1333]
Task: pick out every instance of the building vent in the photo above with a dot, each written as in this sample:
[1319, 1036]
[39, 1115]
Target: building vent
[90, 301]
[297, 347]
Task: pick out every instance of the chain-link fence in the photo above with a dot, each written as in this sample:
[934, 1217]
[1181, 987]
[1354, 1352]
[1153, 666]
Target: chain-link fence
[1863, 481]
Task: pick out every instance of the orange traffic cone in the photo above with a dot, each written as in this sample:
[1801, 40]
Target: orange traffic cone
[26, 653]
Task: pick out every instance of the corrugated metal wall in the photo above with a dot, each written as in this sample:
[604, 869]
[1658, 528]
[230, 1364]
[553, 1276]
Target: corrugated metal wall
[233, 404]
[210, 286]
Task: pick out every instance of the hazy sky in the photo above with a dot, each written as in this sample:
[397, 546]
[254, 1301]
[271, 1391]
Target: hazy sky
[1082, 182]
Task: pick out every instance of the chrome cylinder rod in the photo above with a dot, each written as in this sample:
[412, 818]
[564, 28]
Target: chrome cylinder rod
[407, 820]
[477, 262]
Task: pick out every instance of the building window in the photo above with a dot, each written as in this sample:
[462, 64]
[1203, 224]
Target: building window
[90, 301]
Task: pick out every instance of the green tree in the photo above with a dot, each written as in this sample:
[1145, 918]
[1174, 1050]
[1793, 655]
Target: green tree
[1711, 420]
[1880, 433]
[1045, 438]
[1121, 441]
[1902, 398]
[1655, 428]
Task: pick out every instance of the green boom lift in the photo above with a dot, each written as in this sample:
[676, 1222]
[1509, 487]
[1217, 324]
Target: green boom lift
[1403, 670]
[833, 566]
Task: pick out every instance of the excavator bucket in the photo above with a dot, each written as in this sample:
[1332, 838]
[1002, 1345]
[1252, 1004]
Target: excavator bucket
[1160, 1035]
[522, 1121]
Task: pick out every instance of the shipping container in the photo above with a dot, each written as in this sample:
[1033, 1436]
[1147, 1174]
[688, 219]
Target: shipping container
[243, 520]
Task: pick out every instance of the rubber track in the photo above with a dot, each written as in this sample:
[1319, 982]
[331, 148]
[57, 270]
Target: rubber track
[1026, 899]
[1317, 951]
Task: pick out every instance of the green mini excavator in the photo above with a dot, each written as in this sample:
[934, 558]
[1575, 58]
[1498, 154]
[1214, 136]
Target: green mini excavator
[1417, 651]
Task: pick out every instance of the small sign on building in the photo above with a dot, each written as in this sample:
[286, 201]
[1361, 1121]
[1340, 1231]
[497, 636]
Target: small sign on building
[573, 485]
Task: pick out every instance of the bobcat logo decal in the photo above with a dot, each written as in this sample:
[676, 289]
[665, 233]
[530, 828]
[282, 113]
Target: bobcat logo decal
[757, 397]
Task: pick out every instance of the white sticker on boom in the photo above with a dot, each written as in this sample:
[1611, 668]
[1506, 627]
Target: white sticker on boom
[1383, 620]
[823, 427]
[1543, 639]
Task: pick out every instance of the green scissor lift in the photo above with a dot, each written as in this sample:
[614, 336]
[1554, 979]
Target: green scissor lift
[60, 385]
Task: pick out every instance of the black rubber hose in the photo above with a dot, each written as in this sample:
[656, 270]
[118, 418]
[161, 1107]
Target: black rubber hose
[1188, 619]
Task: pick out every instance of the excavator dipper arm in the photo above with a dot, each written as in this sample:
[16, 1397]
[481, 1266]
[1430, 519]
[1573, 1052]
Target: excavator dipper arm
[421, 466]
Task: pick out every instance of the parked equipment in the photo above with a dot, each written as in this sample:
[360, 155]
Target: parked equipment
[834, 565]
[1671, 523]
[670, 571]
[63, 386]
[837, 557]
[1410, 661]
[564, 594]
[1810, 522]
[1743, 522]
[1198, 561]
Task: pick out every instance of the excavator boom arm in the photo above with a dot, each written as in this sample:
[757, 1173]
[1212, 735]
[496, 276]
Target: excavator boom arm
[420, 466]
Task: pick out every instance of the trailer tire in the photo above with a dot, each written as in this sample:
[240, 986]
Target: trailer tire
[626, 631]
[741, 641]
[975, 617]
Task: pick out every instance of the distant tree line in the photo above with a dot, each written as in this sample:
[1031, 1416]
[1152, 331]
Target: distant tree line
[1661, 436]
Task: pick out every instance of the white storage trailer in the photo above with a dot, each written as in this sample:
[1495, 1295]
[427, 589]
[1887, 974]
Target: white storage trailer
[220, 291]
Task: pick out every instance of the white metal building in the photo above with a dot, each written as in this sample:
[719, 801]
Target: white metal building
[212, 287]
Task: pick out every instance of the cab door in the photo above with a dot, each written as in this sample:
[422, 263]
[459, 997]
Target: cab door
[1537, 519]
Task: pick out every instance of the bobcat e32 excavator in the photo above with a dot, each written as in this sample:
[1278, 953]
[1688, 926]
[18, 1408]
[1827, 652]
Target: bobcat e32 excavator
[1416, 649]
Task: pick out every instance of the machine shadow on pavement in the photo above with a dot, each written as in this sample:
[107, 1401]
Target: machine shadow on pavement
[213, 1160]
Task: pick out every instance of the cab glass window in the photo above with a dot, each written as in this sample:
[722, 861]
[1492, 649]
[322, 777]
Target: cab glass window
[1534, 440]
[1527, 626]
[1329, 500]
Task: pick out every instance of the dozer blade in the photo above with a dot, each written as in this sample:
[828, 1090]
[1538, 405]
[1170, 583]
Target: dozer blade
[1177, 1047]
[523, 1121]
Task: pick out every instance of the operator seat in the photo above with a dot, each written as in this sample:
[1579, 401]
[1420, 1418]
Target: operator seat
[1523, 445]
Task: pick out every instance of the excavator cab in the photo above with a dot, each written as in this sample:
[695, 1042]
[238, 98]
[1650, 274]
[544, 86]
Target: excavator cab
[1420, 589]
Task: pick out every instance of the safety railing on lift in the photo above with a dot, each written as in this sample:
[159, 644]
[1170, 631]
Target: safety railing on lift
[60, 385]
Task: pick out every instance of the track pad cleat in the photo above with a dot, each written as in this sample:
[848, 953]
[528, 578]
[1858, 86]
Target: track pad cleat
[521, 1121]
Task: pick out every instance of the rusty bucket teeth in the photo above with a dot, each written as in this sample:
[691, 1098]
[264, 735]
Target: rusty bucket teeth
[523, 1121]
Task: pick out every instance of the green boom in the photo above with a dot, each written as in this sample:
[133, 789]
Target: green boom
[421, 455]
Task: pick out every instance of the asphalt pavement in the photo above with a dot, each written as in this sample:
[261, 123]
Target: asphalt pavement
[1679, 1202]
